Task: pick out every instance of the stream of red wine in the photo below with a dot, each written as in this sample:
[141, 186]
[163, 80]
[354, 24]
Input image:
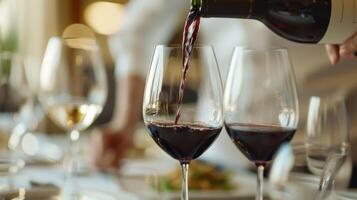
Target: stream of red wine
[190, 33]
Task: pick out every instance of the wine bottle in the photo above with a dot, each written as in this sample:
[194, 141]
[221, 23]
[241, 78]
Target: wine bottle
[304, 21]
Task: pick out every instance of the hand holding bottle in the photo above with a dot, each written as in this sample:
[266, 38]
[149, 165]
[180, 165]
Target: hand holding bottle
[310, 21]
[348, 49]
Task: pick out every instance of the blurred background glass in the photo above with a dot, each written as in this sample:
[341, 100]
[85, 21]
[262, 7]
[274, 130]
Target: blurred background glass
[14, 94]
[14, 87]
[73, 107]
[327, 140]
[327, 132]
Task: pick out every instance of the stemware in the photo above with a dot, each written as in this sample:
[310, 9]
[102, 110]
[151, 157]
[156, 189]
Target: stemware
[13, 94]
[73, 90]
[31, 112]
[184, 131]
[260, 105]
[327, 139]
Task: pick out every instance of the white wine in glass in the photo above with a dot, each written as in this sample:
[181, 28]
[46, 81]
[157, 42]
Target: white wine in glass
[73, 90]
[77, 115]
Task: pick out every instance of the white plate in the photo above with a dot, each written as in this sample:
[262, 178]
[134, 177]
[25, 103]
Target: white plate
[344, 195]
[246, 185]
[132, 170]
[99, 195]
[213, 195]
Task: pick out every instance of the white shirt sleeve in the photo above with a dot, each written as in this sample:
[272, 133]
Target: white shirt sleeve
[146, 24]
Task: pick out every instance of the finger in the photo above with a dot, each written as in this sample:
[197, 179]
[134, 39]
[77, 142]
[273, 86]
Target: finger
[349, 56]
[333, 53]
[349, 47]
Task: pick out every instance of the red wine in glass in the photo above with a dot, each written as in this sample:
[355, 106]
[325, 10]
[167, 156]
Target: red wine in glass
[259, 143]
[183, 142]
[200, 121]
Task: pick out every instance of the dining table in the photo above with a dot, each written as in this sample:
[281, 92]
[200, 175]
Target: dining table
[44, 177]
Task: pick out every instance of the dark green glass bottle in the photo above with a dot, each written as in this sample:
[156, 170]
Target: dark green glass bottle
[304, 21]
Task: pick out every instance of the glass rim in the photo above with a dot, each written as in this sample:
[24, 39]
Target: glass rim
[88, 44]
[179, 46]
[330, 98]
[266, 49]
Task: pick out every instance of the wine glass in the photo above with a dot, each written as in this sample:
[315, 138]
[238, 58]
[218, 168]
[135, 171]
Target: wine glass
[31, 112]
[73, 90]
[327, 139]
[184, 131]
[260, 104]
[13, 95]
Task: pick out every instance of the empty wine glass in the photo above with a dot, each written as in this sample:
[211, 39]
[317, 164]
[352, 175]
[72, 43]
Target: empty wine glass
[184, 131]
[14, 86]
[260, 105]
[327, 138]
[31, 112]
[73, 91]
[13, 95]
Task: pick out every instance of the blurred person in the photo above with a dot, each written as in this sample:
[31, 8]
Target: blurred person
[148, 23]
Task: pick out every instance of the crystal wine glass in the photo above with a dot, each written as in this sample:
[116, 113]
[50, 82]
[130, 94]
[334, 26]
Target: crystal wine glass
[184, 131]
[13, 95]
[73, 90]
[327, 139]
[260, 105]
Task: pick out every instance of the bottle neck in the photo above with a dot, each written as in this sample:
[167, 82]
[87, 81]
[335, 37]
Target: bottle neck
[196, 4]
[228, 8]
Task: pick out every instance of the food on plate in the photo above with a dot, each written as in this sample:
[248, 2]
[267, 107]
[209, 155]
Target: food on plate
[203, 176]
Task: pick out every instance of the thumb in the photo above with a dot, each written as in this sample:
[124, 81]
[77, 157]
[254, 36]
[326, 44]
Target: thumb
[333, 53]
[349, 47]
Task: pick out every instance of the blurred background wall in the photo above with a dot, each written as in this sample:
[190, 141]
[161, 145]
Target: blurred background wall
[26, 26]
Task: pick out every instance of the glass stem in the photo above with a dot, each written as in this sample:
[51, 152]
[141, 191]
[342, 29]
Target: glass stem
[73, 152]
[72, 166]
[11, 175]
[11, 180]
[332, 167]
[184, 194]
[260, 183]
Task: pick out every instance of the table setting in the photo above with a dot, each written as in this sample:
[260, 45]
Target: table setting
[183, 114]
[38, 167]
